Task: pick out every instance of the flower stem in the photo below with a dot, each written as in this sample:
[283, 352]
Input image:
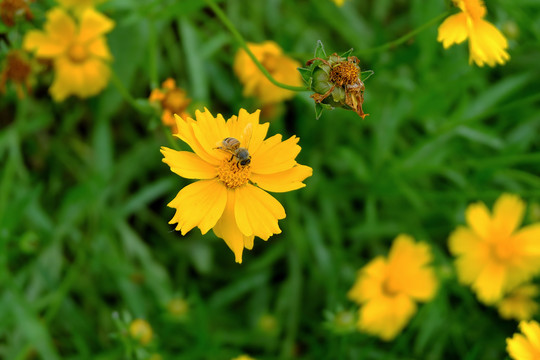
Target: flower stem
[229, 25]
[405, 37]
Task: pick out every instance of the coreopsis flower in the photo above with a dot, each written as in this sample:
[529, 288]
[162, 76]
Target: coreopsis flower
[281, 67]
[487, 45]
[339, 2]
[235, 166]
[336, 81]
[525, 346]
[78, 50]
[493, 256]
[11, 9]
[243, 357]
[178, 308]
[17, 70]
[172, 100]
[519, 304]
[78, 6]
[387, 289]
[141, 331]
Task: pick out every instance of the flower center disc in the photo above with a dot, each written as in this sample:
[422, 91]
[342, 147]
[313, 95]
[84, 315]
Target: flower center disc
[175, 100]
[502, 251]
[232, 174]
[77, 53]
[389, 288]
[344, 73]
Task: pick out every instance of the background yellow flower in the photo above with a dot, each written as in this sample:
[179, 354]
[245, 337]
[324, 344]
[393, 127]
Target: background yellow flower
[520, 303]
[230, 197]
[493, 257]
[487, 45]
[78, 50]
[281, 67]
[387, 289]
[526, 346]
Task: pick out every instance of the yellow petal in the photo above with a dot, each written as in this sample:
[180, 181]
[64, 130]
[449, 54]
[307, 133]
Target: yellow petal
[43, 45]
[529, 238]
[465, 241]
[531, 330]
[386, 317]
[490, 283]
[478, 218]
[210, 132]
[453, 30]
[199, 204]
[237, 126]
[507, 214]
[99, 48]
[257, 213]
[93, 24]
[60, 26]
[520, 349]
[283, 181]
[96, 77]
[188, 164]
[369, 281]
[227, 229]
[274, 155]
[186, 133]
[487, 45]
[81, 79]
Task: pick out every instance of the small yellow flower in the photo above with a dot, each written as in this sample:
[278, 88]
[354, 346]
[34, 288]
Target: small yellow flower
[178, 307]
[78, 50]
[230, 197]
[487, 45]
[172, 100]
[78, 5]
[493, 257]
[526, 347]
[141, 331]
[339, 2]
[520, 303]
[387, 289]
[243, 357]
[17, 70]
[281, 67]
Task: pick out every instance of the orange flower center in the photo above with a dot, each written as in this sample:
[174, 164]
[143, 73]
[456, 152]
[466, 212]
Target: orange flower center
[390, 288]
[232, 174]
[502, 250]
[344, 73]
[77, 53]
[474, 8]
[175, 100]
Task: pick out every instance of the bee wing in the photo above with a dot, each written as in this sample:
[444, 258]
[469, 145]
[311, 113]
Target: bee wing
[246, 135]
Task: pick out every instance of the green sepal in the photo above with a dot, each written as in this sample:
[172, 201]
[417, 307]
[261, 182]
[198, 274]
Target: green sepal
[318, 111]
[319, 50]
[347, 53]
[306, 74]
[364, 75]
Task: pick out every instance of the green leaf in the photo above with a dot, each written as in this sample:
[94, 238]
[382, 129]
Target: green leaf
[306, 75]
[318, 110]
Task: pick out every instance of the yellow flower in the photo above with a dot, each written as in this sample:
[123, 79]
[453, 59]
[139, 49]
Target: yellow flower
[519, 304]
[339, 2]
[172, 100]
[492, 256]
[243, 357]
[178, 307]
[78, 50]
[141, 331]
[526, 347]
[78, 5]
[487, 45]
[281, 67]
[387, 289]
[230, 197]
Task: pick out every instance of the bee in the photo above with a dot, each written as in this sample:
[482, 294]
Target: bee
[232, 146]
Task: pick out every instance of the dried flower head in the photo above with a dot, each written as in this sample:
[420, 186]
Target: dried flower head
[11, 9]
[336, 81]
[17, 70]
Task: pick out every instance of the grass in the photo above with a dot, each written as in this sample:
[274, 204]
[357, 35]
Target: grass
[84, 242]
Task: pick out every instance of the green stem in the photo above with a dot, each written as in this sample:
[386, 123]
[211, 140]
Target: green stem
[405, 37]
[126, 95]
[229, 25]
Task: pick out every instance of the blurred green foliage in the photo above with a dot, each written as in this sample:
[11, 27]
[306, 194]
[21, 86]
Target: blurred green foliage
[84, 242]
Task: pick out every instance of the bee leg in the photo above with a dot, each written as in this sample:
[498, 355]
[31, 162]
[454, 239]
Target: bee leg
[232, 156]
